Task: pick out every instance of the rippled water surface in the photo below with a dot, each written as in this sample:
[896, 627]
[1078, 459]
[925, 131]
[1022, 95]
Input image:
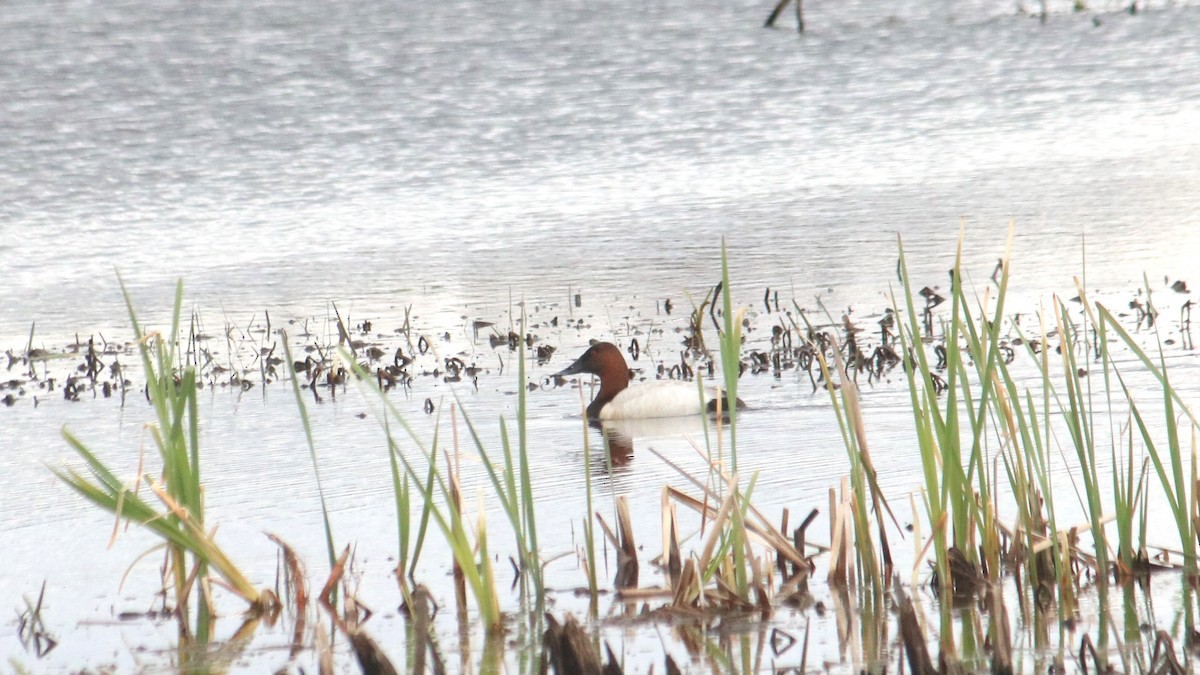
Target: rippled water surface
[452, 159]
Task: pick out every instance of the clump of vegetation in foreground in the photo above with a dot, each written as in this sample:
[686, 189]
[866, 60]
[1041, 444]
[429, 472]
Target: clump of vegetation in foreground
[986, 440]
[174, 508]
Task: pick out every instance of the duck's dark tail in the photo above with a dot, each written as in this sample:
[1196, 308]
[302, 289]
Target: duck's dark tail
[724, 401]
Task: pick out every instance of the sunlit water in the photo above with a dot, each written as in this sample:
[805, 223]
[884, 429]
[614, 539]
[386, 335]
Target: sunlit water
[457, 158]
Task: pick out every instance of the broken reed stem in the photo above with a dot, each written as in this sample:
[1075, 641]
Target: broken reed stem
[670, 531]
[627, 562]
[766, 536]
[761, 528]
[568, 649]
[1001, 638]
[295, 581]
[911, 634]
[420, 610]
[778, 10]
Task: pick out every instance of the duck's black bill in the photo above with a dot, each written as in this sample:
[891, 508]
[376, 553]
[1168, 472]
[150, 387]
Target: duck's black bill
[573, 369]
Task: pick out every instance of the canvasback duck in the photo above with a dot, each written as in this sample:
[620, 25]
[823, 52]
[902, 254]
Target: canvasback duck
[616, 400]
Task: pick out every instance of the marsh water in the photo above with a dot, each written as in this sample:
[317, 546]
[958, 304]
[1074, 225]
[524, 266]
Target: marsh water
[452, 162]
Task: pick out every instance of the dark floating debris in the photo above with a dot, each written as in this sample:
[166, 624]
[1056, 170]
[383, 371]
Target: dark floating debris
[31, 628]
[543, 353]
[932, 297]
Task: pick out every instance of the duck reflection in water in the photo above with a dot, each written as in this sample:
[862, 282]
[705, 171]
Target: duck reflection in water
[624, 435]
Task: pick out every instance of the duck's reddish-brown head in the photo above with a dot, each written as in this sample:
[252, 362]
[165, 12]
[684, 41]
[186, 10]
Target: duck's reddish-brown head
[603, 360]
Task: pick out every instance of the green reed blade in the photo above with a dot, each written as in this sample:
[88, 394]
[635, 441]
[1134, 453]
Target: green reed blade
[401, 492]
[423, 527]
[731, 346]
[330, 549]
[529, 519]
[450, 524]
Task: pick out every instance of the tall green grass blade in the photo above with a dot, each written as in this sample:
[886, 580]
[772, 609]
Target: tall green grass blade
[401, 493]
[477, 571]
[191, 551]
[731, 347]
[1171, 478]
[1076, 413]
[528, 517]
[423, 527]
[589, 534]
[330, 550]
[923, 399]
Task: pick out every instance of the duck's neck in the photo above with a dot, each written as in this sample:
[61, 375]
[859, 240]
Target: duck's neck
[613, 381]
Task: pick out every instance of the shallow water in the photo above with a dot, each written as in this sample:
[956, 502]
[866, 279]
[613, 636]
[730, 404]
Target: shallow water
[457, 158]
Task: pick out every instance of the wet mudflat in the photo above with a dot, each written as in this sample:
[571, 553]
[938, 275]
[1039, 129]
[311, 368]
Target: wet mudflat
[453, 165]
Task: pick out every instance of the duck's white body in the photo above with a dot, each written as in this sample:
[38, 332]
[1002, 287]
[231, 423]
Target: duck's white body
[617, 400]
[657, 399]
